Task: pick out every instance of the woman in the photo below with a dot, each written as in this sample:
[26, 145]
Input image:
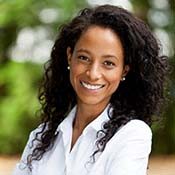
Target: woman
[102, 87]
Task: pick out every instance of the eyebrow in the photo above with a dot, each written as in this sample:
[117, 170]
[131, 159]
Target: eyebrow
[104, 56]
[110, 56]
[83, 50]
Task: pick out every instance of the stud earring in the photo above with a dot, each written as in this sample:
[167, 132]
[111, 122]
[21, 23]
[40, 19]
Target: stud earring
[123, 79]
[68, 67]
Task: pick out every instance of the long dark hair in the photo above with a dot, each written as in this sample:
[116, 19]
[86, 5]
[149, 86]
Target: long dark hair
[140, 96]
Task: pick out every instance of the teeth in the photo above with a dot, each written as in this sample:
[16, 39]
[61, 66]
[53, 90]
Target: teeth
[91, 87]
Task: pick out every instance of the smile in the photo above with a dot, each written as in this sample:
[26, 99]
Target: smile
[90, 86]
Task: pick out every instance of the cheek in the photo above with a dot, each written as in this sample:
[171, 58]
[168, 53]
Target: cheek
[114, 80]
[75, 72]
[71, 77]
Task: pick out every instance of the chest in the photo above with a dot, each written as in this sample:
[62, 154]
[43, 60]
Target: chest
[61, 161]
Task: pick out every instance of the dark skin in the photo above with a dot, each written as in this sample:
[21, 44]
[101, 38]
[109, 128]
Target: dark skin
[79, 124]
[95, 74]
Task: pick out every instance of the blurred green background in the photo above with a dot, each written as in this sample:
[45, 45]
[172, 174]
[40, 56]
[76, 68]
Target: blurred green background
[27, 32]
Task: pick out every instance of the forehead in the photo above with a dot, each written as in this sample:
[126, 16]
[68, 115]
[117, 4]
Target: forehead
[100, 40]
[100, 32]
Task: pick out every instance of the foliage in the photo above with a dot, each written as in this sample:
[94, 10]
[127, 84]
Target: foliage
[17, 14]
[19, 81]
[163, 131]
[18, 103]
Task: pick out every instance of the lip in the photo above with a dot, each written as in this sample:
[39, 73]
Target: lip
[90, 86]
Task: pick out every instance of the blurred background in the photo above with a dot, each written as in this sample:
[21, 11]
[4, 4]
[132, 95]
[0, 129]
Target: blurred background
[27, 33]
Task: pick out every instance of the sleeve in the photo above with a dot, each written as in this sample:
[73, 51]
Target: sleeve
[131, 156]
[21, 167]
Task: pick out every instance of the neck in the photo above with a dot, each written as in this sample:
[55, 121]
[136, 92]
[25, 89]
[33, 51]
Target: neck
[86, 114]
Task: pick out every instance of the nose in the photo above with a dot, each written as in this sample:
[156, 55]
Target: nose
[94, 73]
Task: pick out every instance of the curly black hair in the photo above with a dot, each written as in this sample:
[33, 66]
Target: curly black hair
[140, 96]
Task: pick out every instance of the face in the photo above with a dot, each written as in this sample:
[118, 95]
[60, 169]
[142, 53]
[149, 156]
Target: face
[96, 65]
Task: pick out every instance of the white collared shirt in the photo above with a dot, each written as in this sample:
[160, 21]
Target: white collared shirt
[125, 154]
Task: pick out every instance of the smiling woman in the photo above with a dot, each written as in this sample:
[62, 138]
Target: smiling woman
[96, 72]
[102, 86]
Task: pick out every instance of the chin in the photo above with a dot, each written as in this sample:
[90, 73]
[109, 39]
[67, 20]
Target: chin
[93, 101]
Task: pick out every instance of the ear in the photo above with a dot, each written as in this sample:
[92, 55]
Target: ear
[69, 55]
[125, 70]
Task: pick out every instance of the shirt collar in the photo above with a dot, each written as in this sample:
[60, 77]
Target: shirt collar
[96, 124]
[67, 122]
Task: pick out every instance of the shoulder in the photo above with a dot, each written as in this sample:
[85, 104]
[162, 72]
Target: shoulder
[33, 139]
[137, 128]
[128, 150]
[134, 130]
[21, 167]
[36, 133]
[134, 138]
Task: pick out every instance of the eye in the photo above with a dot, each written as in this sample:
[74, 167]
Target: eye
[109, 64]
[83, 58]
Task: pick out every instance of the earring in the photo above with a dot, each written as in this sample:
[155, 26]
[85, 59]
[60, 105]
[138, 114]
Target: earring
[123, 79]
[68, 67]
